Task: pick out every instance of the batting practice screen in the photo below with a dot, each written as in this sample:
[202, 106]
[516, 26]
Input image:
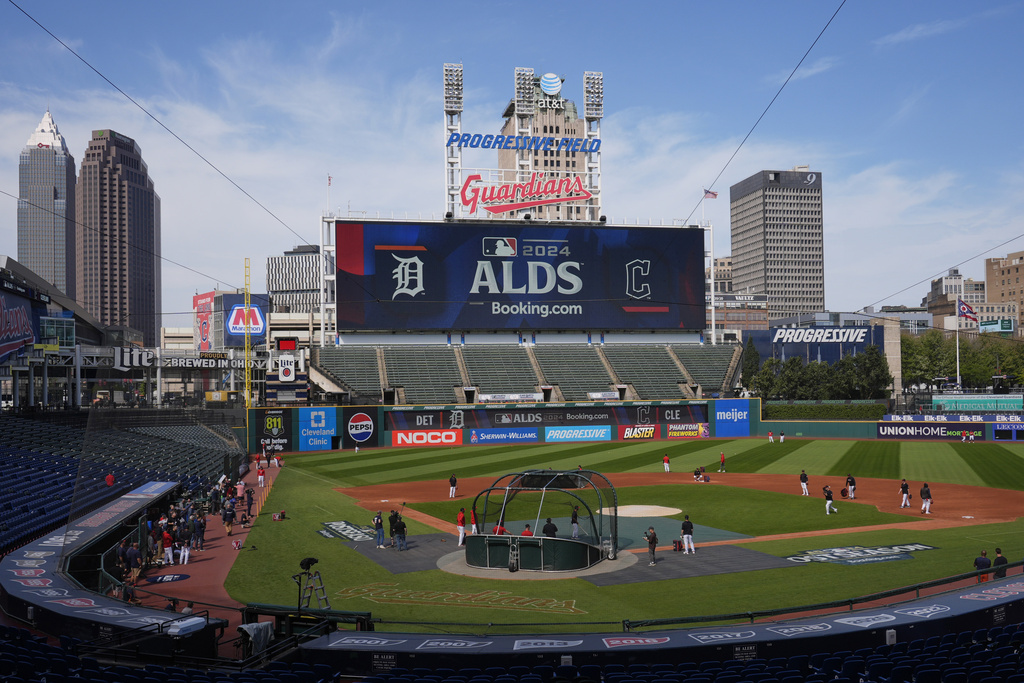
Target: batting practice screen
[443, 276]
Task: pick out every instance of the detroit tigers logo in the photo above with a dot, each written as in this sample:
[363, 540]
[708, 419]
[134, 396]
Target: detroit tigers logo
[408, 276]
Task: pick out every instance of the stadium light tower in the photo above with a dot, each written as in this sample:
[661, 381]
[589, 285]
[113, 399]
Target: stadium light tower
[453, 124]
[593, 112]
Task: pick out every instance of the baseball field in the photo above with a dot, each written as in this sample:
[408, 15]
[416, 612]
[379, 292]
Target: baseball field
[749, 519]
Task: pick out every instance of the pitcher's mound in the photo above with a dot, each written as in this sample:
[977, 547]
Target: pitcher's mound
[644, 511]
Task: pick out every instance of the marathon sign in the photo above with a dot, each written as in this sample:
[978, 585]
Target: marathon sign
[695, 430]
[933, 432]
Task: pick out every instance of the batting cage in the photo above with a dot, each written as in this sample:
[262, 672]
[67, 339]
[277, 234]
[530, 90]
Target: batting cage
[545, 520]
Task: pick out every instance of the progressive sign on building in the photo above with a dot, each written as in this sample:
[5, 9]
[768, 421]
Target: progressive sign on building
[431, 276]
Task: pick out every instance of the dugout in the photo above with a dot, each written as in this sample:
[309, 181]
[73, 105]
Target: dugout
[519, 499]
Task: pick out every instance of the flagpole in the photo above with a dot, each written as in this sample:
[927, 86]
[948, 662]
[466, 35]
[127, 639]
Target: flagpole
[328, 192]
[958, 386]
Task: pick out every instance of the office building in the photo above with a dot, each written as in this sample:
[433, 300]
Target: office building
[293, 280]
[117, 238]
[539, 109]
[46, 206]
[777, 240]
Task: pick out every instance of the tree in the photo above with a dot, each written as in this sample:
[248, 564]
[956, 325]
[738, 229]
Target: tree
[765, 381]
[872, 373]
[751, 363]
[790, 378]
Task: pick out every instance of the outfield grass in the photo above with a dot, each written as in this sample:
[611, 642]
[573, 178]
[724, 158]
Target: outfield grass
[305, 489]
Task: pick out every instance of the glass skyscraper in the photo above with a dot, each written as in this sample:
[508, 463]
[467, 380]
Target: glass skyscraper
[117, 240]
[46, 207]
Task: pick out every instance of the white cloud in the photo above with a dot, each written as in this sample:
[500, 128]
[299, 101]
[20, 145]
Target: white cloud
[819, 66]
[919, 31]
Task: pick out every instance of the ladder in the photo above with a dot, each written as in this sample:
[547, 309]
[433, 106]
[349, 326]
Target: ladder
[315, 587]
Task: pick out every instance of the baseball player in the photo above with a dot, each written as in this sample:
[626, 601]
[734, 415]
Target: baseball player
[687, 534]
[782, 437]
[905, 490]
[665, 462]
[827, 490]
[575, 521]
[926, 499]
[771, 438]
[721, 467]
[460, 525]
[851, 484]
[803, 482]
[453, 484]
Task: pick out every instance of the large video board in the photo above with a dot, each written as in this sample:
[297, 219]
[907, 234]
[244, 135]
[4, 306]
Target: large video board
[491, 276]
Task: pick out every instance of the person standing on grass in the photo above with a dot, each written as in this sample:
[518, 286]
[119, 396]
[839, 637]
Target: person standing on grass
[782, 437]
[460, 525]
[829, 505]
[803, 482]
[771, 437]
[721, 467]
[652, 544]
[664, 461]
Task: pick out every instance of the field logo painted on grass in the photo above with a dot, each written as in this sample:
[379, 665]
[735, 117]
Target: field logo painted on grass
[349, 531]
[858, 554]
[389, 593]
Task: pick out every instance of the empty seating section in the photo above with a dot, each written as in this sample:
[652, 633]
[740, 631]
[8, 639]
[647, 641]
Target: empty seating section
[53, 471]
[707, 364]
[429, 374]
[355, 366]
[500, 369]
[650, 369]
[196, 435]
[575, 369]
[988, 658]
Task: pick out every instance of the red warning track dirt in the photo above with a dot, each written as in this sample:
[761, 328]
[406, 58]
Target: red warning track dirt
[953, 504]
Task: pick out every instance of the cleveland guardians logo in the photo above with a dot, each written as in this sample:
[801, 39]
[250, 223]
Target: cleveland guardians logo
[360, 427]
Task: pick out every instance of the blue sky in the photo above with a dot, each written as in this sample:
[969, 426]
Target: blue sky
[909, 110]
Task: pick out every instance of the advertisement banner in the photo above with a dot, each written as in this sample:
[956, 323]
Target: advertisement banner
[596, 433]
[943, 432]
[693, 430]
[318, 429]
[274, 427]
[482, 436]
[433, 437]
[954, 418]
[638, 432]
[732, 417]
[202, 315]
[504, 417]
[361, 427]
[822, 344]
[440, 276]
[235, 320]
[18, 326]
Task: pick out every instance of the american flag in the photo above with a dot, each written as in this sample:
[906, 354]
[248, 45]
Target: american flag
[328, 181]
[964, 310]
[708, 194]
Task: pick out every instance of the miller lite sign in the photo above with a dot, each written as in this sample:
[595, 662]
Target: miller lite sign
[286, 368]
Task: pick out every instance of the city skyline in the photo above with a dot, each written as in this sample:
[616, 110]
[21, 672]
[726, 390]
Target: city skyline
[907, 112]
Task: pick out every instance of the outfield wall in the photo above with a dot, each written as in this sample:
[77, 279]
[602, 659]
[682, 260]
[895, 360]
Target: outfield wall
[288, 430]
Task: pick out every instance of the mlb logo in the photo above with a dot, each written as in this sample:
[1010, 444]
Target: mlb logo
[500, 246]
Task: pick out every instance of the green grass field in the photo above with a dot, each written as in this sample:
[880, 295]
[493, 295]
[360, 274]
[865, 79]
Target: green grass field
[305, 488]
